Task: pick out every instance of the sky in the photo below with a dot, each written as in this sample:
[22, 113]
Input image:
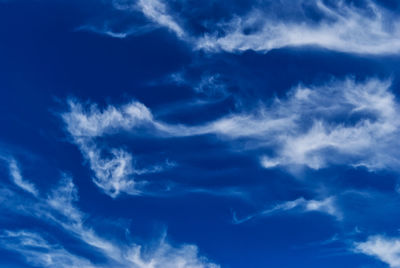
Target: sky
[199, 134]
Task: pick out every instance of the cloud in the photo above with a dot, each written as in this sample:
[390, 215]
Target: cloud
[341, 122]
[105, 30]
[326, 205]
[157, 12]
[16, 176]
[210, 88]
[266, 25]
[113, 173]
[348, 123]
[92, 122]
[113, 169]
[382, 248]
[39, 252]
[58, 209]
[343, 27]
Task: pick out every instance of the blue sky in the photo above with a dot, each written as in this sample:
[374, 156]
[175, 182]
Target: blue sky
[154, 133]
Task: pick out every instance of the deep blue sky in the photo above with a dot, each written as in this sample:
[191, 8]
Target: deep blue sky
[157, 133]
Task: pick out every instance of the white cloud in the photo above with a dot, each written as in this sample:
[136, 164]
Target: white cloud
[332, 138]
[39, 252]
[341, 122]
[383, 248]
[16, 176]
[326, 205]
[59, 209]
[107, 29]
[92, 122]
[114, 173]
[343, 26]
[267, 162]
[156, 11]
[211, 85]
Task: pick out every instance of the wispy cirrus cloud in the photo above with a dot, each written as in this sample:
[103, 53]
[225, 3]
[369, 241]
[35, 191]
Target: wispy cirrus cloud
[156, 11]
[345, 119]
[39, 252]
[343, 27]
[342, 122]
[147, 16]
[15, 175]
[302, 205]
[59, 209]
[114, 173]
[340, 26]
[108, 30]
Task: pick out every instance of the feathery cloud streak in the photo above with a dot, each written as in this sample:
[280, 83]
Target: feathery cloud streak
[113, 174]
[58, 209]
[326, 205]
[342, 26]
[341, 122]
[16, 177]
